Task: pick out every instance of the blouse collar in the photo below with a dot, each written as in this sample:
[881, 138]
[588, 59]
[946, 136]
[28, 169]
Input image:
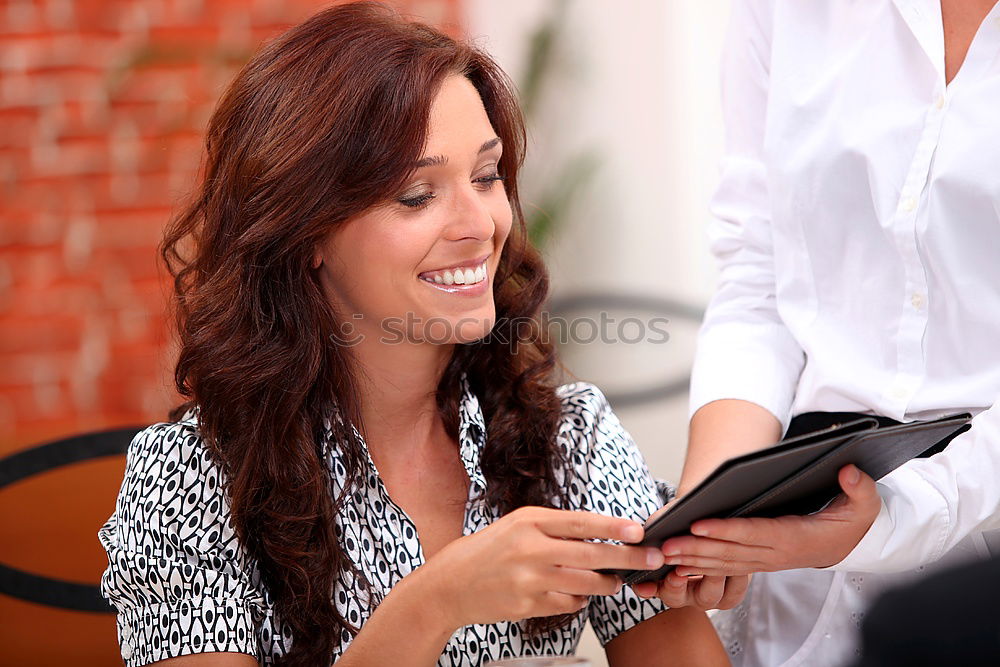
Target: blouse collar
[471, 434]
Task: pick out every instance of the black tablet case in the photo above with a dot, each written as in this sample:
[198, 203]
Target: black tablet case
[795, 476]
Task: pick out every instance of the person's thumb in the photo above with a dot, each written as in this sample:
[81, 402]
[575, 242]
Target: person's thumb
[857, 486]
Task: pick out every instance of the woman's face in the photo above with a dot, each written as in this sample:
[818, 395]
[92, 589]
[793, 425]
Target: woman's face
[421, 266]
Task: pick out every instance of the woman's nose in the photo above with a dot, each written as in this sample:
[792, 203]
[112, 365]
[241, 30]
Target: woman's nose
[470, 216]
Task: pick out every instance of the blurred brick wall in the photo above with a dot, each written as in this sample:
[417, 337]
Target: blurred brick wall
[102, 105]
[102, 108]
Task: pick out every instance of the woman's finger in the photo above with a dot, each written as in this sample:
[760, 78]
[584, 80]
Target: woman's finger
[552, 603]
[646, 589]
[681, 547]
[674, 591]
[584, 525]
[601, 556]
[708, 591]
[736, 590]
[582, 582]
[751, 532]
[722, 570]
[687, 565]
[859, 489]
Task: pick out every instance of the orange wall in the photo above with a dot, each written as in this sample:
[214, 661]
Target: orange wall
[102, 105]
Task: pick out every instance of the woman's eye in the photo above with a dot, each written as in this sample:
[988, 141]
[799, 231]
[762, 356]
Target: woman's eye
[488, 181]
[416, 201]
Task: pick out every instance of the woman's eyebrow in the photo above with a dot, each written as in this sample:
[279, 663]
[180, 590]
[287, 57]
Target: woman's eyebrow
[440, 160]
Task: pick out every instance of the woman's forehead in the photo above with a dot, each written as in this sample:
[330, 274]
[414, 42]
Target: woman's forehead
[458, 122]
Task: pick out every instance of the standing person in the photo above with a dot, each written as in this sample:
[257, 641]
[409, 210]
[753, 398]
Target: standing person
[859, 239]
[362, 474]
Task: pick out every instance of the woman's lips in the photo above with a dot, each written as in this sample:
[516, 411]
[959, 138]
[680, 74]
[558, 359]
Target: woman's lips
[456, 276]
[466, 273]
[467, 278]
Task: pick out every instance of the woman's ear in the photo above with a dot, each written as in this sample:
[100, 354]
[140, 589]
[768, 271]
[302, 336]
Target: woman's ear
[317, 260]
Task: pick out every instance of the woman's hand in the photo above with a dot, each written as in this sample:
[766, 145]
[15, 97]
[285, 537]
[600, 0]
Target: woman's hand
[700, 592]
[726, 547]
[532, 562]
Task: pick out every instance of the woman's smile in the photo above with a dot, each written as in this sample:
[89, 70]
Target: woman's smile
[469, 278]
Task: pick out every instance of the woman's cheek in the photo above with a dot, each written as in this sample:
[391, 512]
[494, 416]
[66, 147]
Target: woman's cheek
[504, 220]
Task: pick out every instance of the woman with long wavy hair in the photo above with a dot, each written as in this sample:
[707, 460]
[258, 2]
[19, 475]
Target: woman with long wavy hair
[374, 465]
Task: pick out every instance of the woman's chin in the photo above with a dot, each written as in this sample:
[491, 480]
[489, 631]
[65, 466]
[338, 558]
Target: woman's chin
[469, 326]
[472, 334]
[458, 332]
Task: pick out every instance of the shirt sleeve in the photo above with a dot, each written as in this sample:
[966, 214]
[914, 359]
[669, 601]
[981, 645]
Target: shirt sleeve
[176, 575]
[930, 505]
[609, 476]
[744, 349]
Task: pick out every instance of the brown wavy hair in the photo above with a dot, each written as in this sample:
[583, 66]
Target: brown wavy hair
[321, 124]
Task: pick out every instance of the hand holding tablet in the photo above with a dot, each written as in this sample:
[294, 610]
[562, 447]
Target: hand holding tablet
[796, 477]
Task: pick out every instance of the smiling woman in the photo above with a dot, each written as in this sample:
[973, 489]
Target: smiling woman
[432, 497]
[433, 250]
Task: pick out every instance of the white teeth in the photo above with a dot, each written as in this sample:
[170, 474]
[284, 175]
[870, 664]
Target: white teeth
[461, 276]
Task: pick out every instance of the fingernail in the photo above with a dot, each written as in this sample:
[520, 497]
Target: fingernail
[670, 551]
[654, 558]
[632, 533]
[853, 475]
[699, 530]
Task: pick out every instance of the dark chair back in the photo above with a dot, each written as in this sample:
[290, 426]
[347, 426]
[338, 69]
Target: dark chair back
[53, 499]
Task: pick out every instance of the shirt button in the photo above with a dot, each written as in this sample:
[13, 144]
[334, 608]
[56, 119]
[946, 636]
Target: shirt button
[917, 300]
[908, 204]
[939, 101]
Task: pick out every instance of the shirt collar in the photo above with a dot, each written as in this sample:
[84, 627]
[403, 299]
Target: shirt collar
[471, 434]
[923, 18]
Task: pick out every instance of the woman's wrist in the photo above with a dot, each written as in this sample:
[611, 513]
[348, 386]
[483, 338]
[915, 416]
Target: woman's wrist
[410, 627]
[423, 595]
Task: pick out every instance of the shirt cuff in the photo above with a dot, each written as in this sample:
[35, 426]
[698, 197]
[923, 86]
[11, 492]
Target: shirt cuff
[733, 362]
[612, 615]
[196, 625]
[885, 548]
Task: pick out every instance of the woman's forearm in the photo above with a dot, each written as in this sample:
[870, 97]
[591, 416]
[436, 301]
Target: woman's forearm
[683, 637]
[405, 630]
[722, 429]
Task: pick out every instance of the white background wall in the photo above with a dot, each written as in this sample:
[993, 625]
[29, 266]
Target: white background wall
[637, 82]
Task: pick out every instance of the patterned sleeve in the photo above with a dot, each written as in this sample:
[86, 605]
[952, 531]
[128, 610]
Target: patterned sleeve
[608, 476]
[176, 575]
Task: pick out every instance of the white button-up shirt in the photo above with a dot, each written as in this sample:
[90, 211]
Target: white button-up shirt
[858, 233]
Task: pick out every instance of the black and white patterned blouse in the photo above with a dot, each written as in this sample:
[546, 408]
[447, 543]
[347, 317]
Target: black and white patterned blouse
[182, 583]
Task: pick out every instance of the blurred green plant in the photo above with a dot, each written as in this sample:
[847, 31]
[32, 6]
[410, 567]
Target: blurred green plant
[549, 200]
